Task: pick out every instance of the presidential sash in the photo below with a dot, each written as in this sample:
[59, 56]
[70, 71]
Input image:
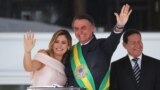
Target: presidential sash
[82, 73]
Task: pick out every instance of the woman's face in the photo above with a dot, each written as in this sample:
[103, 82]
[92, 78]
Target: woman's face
[60, 45]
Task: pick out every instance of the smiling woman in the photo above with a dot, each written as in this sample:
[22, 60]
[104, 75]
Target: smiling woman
[48, 64]
[60, 47]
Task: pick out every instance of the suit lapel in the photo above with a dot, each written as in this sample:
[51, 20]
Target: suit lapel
[144, 69]
[129, 70]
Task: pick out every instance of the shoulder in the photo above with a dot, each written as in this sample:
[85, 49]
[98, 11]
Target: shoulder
[151, 60]
[43, 51]
[119, 62]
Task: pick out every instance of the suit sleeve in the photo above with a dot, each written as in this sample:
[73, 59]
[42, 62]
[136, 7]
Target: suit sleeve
[111, 42]
[158, 77]
[113, 78]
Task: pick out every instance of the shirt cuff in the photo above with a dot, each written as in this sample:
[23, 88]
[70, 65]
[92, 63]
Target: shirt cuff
[118, 28]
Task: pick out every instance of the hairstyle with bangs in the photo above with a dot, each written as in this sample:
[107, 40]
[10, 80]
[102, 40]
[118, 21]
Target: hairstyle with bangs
[53, 39]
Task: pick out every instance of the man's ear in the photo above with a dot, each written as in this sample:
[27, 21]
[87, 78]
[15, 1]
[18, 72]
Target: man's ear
[124, 45]
[94, 28]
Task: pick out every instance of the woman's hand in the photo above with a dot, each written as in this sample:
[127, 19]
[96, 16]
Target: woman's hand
[29, 41]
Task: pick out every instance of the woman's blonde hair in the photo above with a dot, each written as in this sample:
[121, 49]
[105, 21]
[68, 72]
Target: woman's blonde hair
[53, 39]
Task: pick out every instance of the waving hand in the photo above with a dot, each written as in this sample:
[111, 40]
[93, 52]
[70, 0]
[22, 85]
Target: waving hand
[123, 16]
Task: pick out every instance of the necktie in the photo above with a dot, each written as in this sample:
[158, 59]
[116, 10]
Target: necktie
[136, 70]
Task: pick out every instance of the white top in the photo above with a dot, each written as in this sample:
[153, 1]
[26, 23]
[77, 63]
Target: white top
[52, 73]
[139, 60]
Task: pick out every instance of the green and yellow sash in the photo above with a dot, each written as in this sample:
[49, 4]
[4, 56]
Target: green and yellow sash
[82, 73]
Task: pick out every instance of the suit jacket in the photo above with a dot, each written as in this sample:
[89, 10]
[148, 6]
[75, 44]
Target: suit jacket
[97, 54]
[122, 76]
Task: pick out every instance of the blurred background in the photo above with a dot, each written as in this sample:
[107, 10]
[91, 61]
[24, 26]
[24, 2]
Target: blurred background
[47, 16]
[145, 15]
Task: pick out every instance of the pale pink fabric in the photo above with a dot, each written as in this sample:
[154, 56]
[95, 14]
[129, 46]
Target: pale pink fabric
[51, 73]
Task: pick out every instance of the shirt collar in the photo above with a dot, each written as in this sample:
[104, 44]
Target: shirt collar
[87, 42]
[131, 57]
[132, 62]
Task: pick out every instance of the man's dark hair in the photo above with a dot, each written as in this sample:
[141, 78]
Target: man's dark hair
[84, 16]
[127, 33]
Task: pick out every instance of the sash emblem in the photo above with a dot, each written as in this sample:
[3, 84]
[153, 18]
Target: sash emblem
[80, 71]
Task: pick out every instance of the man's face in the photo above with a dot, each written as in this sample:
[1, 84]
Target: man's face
[134, 45]
[83, 30]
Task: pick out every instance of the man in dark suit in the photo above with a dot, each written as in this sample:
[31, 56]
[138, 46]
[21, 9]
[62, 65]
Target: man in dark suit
[135, 71]
[90, 57]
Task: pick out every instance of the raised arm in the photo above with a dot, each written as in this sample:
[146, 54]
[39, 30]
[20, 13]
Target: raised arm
[123, 16]
[29, 43]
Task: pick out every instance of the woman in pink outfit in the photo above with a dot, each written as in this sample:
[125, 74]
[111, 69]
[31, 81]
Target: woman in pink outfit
[47, 66]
